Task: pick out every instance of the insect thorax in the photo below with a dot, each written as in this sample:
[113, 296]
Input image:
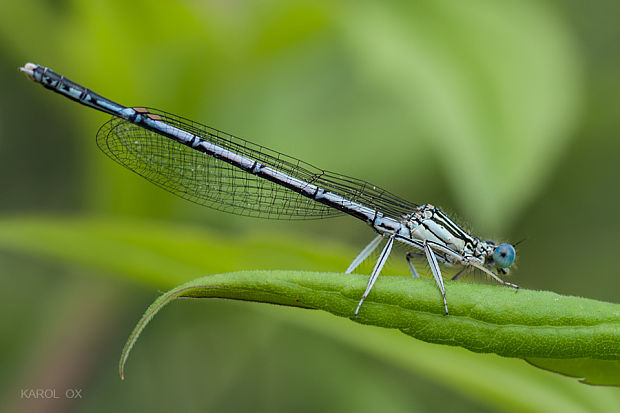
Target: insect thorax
[428, 223]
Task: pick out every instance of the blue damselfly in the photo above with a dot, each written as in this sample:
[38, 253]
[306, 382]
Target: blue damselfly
[227, 173]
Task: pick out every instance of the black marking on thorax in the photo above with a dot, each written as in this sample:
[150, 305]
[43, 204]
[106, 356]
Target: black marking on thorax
[453, 228]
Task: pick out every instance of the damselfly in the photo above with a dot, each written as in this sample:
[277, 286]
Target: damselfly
[224, 172]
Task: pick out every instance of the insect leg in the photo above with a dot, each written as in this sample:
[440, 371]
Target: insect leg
[364, 253]
[408, 257]
[375, 272]
[432, 261]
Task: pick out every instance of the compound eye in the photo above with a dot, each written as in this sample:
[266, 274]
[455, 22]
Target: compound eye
[504, 255]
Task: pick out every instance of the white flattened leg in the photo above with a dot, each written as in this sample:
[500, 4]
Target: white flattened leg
[414, 273]
[375, 272]
[364, 254]
[412, 254]
[432, 261]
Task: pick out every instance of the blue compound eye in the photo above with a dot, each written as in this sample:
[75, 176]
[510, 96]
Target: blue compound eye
[504, 255]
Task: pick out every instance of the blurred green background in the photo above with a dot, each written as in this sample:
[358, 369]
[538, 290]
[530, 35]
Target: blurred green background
[505, 114]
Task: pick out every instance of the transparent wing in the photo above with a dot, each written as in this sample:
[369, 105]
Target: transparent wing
[207, 181]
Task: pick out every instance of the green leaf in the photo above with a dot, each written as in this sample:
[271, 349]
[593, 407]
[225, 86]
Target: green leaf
[161, 255]
[588, 370]
[506, 384]
[484, 318]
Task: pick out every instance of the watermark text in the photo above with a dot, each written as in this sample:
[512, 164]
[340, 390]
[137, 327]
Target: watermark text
[50, 394]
